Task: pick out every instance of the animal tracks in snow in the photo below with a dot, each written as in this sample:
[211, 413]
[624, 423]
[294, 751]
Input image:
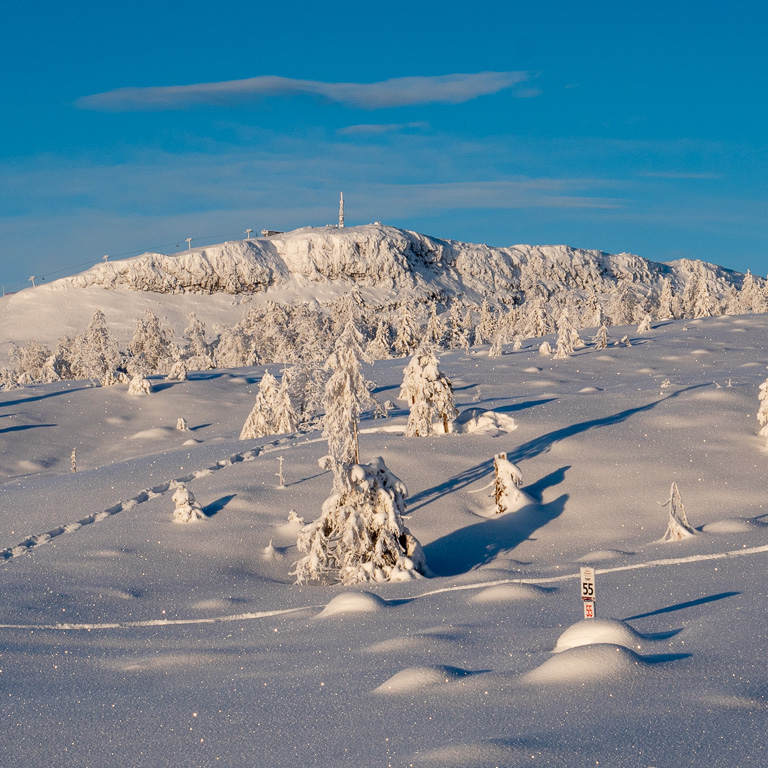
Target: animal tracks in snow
[37, 540]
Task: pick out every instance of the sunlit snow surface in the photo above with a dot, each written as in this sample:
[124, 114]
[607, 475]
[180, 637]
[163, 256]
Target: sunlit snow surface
[127, 639]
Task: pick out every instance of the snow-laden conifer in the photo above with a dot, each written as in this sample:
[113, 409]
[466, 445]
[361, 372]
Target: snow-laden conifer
[139, 385]
[667, 301]
[429, 393]
[508, 480]
[435, 331]
[197, 352]
[151, 348]
[360, 535]
[678, 527]
[96, 353]
[187, 509]
[347, 395]
[645, 324]
[177, 371]
[600, 339]
[272, 413]
[545, 349]
[762, 413]
[407, 338]
[378, 348]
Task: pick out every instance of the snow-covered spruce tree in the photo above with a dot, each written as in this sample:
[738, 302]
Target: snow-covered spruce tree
[567, 337]
[435, 331]
[429, 393]
[408, 334]
[678, 527]
[197, 352]
[151, 348]
[645, 324]
[33, 363]
[487, 325]
[305, 381]
[96, 352]
[347, 394]
[139, 385]
[378, 348]
[666, 307]
[600, 339]
[177, 371]
[360, 535]
[272, 413]
[762, 413]
[538, 321]
[508, 480]
[187, 509]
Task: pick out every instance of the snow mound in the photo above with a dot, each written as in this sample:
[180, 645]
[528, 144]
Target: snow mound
[353, 602]
[508, 593]
[484, 422]
[733, 525]
[589, 390]
[598, 631]
[419, 678]
[155, 433]
[603, 554]
[585, 664]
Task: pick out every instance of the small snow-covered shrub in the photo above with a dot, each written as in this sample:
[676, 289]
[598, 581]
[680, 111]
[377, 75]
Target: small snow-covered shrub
[181, 424]
[762, 413]
[429, 393]
[178, 371]
[360, 535]
[508, 480]
[187, 509]
[678, 527]
[545, 349]
[139, 385]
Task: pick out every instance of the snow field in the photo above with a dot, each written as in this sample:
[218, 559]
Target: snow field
[136, 638]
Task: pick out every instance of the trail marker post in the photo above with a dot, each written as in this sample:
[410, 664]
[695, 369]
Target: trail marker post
[588, 592]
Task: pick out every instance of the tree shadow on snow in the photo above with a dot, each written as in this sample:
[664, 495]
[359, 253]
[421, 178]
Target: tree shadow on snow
[34, 398]
[522, 406]
[681, 606]
[23, 427]
[478, 544]
[216, 506]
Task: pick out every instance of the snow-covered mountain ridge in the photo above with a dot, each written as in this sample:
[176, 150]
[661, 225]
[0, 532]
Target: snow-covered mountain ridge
[383, 257]
[385, 265]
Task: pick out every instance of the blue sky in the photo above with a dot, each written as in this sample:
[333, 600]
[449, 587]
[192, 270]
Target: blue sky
[132, 126]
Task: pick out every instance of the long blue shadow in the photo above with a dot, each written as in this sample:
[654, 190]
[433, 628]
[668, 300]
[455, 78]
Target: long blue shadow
[682, 606]
[462, 550]
[24, 427]
[534, 448]
[216, 506]
[34, 398]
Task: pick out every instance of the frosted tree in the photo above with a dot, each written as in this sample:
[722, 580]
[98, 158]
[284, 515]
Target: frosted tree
[33, 363]
[458, 335]
[621, 306]
[678, 527]
[486, 325]
[139, 385]
[151, 347]
[429, 393]
[666, 308]
[197, 352]
[704, 304]
[538, 321]
[187, 509]
[567, 337]
[407, 338]
[762, 413]
[378, 347]
[347, 395]
[497, 348]
[234, 348]
[96, 352]
[545, 349]
[360, 535]
[600, 339]
[305, 382]
[435, 332]
[272, 413]
[508, 480]
[645, 324]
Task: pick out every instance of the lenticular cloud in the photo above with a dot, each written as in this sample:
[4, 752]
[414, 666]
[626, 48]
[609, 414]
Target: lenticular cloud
[396, 92]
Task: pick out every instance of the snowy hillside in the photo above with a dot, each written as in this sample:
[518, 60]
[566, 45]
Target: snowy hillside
[129, 639]
[385, 265]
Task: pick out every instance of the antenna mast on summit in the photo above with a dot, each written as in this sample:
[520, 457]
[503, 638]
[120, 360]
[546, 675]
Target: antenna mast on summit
[341, 211]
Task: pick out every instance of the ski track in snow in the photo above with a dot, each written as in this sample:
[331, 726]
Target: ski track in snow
[37, 540]
[670, 561]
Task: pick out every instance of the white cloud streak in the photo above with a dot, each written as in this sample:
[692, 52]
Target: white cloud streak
[396, 92]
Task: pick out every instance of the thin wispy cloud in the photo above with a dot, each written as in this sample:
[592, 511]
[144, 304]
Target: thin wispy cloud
[372, 129]
[396, 92]
[678, 175]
